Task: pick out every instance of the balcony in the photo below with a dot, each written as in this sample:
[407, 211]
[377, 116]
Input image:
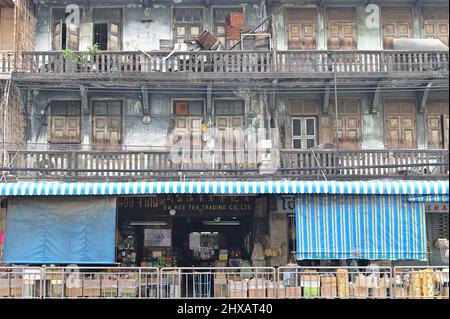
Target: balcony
[289, 164]
[235, 64]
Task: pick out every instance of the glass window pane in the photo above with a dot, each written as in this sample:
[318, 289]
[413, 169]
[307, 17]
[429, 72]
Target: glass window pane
[237, 108]
[195, 108]
[221, 108]
[297, 143]
[310, 129]
[296, 127]
[310, 143]
[114, 109]
[100, 108]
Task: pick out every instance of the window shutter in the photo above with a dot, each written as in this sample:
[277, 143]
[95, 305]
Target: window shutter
[114, 37]
[57, 36]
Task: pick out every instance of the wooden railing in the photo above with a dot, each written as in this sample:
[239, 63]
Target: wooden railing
[6, 61]
[305, 164]
[282, 62]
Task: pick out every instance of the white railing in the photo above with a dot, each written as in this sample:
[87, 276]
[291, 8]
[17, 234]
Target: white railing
[334, 282]
[421, 282]
[294, 282]
[218, 282]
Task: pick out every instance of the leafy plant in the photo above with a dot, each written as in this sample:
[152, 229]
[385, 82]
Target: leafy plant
[81, 57]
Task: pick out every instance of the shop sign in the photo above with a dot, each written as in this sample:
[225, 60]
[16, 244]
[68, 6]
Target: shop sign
[436, 207]
[285, 204]
[190, 205]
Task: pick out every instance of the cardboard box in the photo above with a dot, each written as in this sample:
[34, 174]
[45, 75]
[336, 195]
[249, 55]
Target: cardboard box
[233, 33]
[127, 287]
[74, 292]
[445, 292]
[91, 288]
[16, 285]
[400, 292]
[360, 292]
[237, 289]
[311, 292]
[4, 287]
[293, 292]
[257, 288]
[109, 287]
[273, 292]
[220, 286]
[379, 292]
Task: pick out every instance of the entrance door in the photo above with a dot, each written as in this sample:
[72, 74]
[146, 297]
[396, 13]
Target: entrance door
[438, 124]
[348, 123]
[229, 120]
[396, 25]
[301, 24]
[107, 124]
[435, 23]
[341, 28]
[437, 227]
[401, 124]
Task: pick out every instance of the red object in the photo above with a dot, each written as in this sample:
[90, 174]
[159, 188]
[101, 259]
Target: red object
[233, 33]
[235, 19]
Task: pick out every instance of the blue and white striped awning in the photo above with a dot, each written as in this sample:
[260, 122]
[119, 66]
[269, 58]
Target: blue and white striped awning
[224, 187]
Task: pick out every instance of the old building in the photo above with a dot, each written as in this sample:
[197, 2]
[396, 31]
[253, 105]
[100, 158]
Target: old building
[295, 92]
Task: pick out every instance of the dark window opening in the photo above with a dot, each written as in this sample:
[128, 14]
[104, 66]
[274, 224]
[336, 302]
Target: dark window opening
[101, 35]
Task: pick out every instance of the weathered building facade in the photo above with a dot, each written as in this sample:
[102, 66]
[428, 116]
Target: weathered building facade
[327, 86]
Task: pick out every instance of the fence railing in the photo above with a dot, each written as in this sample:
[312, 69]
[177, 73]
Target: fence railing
[285, 163]
[6, 61]
[334, 282]
[238, 62]
[421, 282]
[217, 282]
[297, 282]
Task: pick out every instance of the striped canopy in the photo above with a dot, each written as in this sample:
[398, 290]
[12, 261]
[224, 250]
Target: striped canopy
[45, 188]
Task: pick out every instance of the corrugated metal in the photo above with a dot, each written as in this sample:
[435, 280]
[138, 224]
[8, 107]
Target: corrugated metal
[231, 187]
[429, 198]
[387, 227]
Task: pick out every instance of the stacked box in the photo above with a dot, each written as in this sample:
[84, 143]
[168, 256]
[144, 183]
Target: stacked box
[220, 286]
[293, 292]
[401, 292]
[91, 288]
[74, 292]
[4, 287]
[273, 292]
[237, 289]
[109, 286]
[257, 288]
[233, 33]
[16, 287]
[328, 286]
[128, 287]
[359, 289]
[310, 281]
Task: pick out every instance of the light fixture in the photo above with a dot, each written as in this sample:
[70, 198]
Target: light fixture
[172, 212]
[221, 223]
[147, 223]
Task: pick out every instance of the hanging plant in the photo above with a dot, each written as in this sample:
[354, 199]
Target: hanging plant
[81, 57]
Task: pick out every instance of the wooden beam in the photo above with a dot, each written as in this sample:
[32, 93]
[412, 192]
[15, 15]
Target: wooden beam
[326, 99]
[84, 99]
[423, 97]
[376, 99]
[145, 106]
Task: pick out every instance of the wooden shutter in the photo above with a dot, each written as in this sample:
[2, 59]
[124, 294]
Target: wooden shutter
[6, 29]
[396, 25]
[72, 37]
[301, 29]
[114, 36]
[401, 123]
[435, 23]
[348, 123]
[437, 112]
[341, 29]
[57, 35]
[58, 128]
[107, 124]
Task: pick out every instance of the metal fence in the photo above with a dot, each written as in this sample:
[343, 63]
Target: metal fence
[218, 282]
[421, 282]
[296, 282]
[334, 282]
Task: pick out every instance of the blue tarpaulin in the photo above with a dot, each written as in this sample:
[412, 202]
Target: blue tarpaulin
[69, 230]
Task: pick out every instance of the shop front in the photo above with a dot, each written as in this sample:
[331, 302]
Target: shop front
[188, 230]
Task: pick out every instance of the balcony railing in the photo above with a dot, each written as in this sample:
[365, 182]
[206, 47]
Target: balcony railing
[292, 164]
[6, 62]
[244, 62]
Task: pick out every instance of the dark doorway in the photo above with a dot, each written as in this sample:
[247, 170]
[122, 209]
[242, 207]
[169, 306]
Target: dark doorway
[101, 35]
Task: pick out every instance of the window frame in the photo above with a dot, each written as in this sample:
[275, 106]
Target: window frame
[304, 137]
[50, 138]
[174, 22]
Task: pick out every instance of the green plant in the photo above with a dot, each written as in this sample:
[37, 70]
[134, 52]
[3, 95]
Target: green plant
[81, 57]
